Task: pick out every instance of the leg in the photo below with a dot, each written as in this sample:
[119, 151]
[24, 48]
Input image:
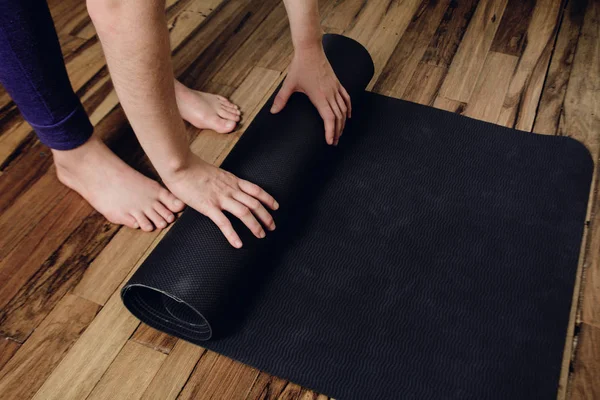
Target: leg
[33, 72]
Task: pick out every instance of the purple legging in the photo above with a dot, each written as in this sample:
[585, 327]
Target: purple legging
[33, 72]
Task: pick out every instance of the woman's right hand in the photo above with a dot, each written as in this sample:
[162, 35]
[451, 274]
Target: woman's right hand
[211, 190]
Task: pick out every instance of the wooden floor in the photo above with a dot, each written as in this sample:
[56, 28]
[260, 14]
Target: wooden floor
[533, 65]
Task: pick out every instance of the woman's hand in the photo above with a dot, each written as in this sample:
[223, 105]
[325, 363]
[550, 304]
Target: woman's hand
[211, 190]
[311, 74]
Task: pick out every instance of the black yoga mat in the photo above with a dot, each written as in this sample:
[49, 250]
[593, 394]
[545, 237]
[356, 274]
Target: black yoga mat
[429, 256]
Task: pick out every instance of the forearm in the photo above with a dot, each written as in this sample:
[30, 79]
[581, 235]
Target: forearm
[305, 23]
[135, 41]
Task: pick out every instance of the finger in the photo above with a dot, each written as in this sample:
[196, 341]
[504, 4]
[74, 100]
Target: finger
[225, 226]
[342, 104]
[245, 215]
[283, 96]
[257, 209]
[328, 116]
[339, 120]
[347, 100]
[258, 193]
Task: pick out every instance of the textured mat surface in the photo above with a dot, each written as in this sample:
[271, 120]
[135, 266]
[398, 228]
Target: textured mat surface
[429, 256]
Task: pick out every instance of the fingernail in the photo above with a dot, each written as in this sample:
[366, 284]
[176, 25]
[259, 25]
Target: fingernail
[237, 243]
[262, 234]
[275, 205]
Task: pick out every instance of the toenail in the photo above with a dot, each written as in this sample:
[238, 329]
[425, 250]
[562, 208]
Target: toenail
[178, 203]
[170, 218]
[136, 226]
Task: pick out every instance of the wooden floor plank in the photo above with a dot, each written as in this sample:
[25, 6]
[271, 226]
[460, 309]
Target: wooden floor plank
[472, 52]
[491, 87]
[130, 373]
[87, 361]
[154, 339]
[521, 103]
[228, 379]
[31, 252]
[22, 376]
[511, 37]
[174, 372]
[113, 264]
[590, 303]
[379, 26]
[202, 372]
[425, 84]
[8, 348]
[581, 117]
[449, 34]
[58, 274]
[409, 51]
[266, 387]
[586, 384]
[555, 87]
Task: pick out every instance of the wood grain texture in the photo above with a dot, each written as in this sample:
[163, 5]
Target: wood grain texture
[154, 339]
[58, 274]
[585, 384]
[266, 387]
[425, 84]
[379, 26]
[87, 361]
[471, 54]
[449, 34]
[129, 374]
[590, 304]
[218, 377]
[557, 78]
[31, 252]
[491, 87]
[521, 103]
[409, 51]
[511, 37]
[174, 372]
[581, 117]
[22, 376]
[113, 264]
[8, 348]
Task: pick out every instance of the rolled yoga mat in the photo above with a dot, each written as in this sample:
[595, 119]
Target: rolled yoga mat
[428, 256]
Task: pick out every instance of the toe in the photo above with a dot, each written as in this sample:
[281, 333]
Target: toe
[156, 218]
[221, 125]
[143, 221]
[228, 114]
[130, 222]
[164, 212]
[169, 200]
[228, 103]
[229, 108]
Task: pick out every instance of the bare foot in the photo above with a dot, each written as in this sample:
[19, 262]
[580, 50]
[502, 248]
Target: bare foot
[120, 193]
[206, 110]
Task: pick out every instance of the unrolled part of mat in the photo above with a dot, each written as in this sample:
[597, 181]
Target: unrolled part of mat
[429, 256]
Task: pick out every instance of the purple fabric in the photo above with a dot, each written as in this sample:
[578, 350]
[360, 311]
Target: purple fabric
[33, 72]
